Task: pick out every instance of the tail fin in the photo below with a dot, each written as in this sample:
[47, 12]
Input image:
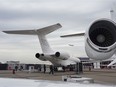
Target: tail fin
[41, 34]
[113, 13]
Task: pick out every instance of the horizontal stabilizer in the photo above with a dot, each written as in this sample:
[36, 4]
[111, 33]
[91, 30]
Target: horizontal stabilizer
[41, 31]
[73, 35]
[24, 32]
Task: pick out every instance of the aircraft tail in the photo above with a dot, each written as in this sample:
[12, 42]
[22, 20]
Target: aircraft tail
[113, 13]
[41, 35]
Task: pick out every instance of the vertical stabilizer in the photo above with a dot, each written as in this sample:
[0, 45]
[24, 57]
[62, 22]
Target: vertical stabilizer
[45, 45]
[113, 13]
[42, 37]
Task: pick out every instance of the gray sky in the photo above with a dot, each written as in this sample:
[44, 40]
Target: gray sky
[74, 15]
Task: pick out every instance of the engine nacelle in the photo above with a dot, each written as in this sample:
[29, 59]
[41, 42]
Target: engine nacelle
[62, 55]
[40, 56]
[37, 55]
[101, 39]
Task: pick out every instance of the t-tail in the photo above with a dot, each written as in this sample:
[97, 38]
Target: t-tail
[113, 12]
[42, 32]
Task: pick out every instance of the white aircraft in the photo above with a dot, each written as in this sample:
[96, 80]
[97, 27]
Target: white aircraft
[57, 58]
[100, 38]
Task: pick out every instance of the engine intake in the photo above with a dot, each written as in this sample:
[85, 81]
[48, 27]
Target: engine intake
[42, 56]
[37, 55]
[57, 54]
[103, 33]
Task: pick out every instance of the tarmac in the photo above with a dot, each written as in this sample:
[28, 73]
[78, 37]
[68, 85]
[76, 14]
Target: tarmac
[102, 76]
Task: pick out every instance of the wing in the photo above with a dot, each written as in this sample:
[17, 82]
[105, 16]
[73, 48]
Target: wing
[73, 35]
[113, 12]
[13, 82]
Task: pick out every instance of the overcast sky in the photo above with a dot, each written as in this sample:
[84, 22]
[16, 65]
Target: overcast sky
[73, 15]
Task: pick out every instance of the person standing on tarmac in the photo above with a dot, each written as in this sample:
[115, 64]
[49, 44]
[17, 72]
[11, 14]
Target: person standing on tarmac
[44, 68]
[51, 69]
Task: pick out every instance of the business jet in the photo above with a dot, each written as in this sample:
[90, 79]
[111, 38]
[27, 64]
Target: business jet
[57, 58]
[100, 38]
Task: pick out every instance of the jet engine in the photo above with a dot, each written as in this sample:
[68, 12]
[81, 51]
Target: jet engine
[101, 39]
[62, 55]
[40, 56]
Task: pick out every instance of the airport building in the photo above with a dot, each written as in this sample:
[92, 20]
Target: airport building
[97, 65]
[86, 64]
[10, 65]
